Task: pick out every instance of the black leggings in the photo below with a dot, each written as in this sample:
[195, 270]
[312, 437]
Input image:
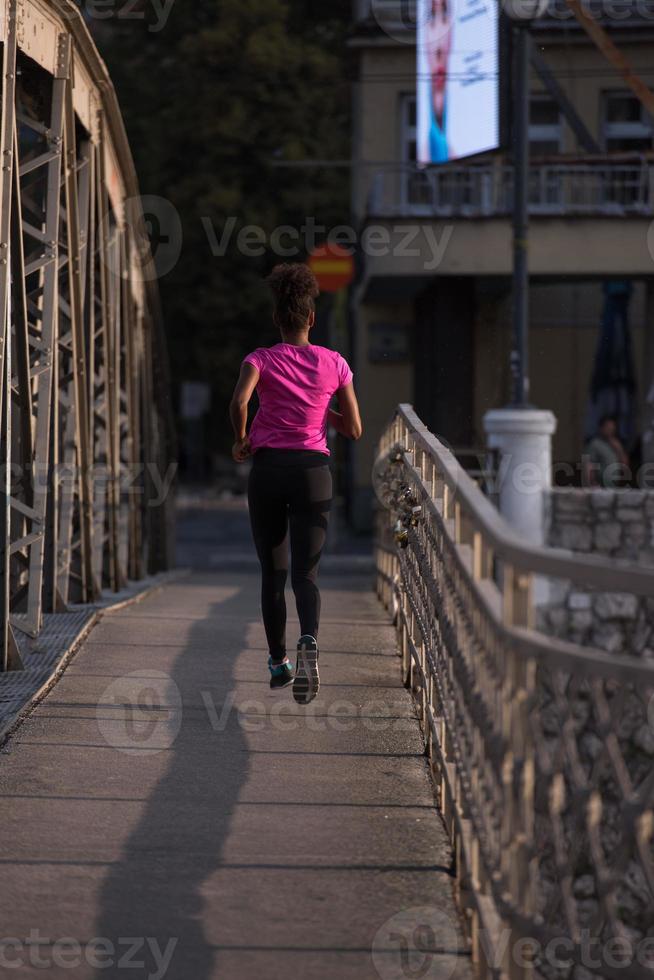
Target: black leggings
[289, 490]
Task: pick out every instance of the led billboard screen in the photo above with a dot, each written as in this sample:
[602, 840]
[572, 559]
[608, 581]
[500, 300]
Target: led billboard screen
[458, 79]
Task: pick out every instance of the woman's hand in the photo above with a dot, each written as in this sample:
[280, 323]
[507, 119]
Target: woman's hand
[241, 450]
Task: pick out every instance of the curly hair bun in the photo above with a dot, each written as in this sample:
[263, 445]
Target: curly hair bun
[293, 282]
[294, 288]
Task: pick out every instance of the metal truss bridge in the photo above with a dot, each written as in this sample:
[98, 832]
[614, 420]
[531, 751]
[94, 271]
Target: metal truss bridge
[85, 428]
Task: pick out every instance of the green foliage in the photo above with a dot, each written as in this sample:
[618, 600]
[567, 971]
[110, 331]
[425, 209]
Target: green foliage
[212, 102]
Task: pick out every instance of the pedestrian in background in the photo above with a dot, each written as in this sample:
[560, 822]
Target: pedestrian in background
[606, 459]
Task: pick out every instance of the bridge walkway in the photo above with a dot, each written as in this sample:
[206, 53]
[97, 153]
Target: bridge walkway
[161, 794]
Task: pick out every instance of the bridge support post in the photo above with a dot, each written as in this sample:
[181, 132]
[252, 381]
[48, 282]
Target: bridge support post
[523, 439]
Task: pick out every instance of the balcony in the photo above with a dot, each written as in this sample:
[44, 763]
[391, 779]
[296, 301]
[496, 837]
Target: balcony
[557, 189]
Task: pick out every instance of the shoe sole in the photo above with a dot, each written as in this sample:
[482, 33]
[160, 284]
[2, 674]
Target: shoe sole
[307, 679]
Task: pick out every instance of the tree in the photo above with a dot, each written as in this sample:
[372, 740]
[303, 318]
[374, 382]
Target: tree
[214, 102]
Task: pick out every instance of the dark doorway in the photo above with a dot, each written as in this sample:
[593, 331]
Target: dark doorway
[443, 359]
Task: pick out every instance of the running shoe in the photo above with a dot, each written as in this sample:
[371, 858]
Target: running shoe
[281, 674]
[307, 679]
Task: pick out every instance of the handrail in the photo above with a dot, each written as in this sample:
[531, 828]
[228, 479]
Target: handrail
[538, 746]
[591, 571]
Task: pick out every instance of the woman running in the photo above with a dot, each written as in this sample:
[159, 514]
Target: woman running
[290, 485]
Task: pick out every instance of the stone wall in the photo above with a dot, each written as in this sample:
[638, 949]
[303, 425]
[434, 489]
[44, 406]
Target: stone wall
[615, 523]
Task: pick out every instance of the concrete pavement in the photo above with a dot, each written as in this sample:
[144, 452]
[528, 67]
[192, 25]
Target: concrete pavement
[164, 814]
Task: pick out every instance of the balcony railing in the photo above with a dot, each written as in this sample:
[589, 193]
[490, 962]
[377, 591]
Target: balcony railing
[554, 189]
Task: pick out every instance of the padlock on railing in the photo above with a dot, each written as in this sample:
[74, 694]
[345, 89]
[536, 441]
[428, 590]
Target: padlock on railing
[401, 534]
[396, 494]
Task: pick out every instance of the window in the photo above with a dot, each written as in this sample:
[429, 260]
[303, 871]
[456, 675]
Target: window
[545, 127]
[626, 125]
[409, 123]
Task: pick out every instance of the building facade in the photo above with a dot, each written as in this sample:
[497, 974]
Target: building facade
[432, 305]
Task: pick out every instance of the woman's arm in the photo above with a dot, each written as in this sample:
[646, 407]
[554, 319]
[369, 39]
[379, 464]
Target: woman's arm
[238, 410]
[347, 421]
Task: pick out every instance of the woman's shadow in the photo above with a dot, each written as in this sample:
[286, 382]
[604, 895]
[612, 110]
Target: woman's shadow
[152, 895]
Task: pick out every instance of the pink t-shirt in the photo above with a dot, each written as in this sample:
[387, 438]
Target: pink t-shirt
[295, 388]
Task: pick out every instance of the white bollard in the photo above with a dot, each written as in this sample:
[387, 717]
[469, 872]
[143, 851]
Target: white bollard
[523, 439]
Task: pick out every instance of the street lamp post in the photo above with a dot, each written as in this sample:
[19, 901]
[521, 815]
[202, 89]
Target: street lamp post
[521, 13]
[520, 349]
[520, 435]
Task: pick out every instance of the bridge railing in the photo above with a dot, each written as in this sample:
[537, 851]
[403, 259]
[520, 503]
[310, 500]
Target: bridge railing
[546, 792]
[86, 439]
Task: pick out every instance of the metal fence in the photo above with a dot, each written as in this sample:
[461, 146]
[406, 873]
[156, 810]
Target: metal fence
[598, 189]
[539, 748]
[85, 427]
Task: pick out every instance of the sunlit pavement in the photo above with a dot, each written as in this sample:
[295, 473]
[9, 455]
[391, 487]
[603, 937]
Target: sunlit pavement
[163, 814]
